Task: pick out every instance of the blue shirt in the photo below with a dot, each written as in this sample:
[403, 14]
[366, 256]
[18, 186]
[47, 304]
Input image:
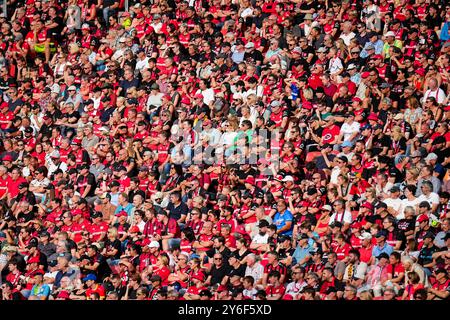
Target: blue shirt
[128, 209]
[40, 291]
[376, 251]
[378, 48]
[300, 253]
[280, 221]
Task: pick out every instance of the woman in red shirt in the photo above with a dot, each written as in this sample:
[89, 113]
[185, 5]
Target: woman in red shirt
[162, 269]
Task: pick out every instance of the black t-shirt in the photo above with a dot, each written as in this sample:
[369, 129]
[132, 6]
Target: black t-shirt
[28, 196]
[379, 142]
[240, 271]
[258, 21]
[425, 255]
[284, 253]
[56, 30]
[308, 50]
[46, 130]
[217, 274]
[253, 57]
[90, 180]
[24, 217]
[177, 212]
[74, 114]
[103, 269]
[12, 105]
[405, 225]
[116, 244]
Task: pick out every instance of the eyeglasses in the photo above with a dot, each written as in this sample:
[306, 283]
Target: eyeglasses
[217, 258]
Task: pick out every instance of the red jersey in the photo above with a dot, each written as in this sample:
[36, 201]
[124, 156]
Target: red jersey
[329, 133]
[97, 229]
[99, 289]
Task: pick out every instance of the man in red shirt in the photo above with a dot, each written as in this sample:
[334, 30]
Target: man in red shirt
[80, 225]
[366, 247]
[98, 227]
[330, 132]
[275, 290]
[41, 40]
[170, 231]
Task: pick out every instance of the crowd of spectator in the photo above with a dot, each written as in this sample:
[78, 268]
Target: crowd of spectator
[225, 150]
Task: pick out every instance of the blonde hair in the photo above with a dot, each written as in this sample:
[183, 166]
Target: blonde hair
[113, 232]
[74, 48]
[397, 133]
[164, 260]
[308, 94]
[366, 295]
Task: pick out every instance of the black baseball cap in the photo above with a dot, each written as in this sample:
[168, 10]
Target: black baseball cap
[33, 243]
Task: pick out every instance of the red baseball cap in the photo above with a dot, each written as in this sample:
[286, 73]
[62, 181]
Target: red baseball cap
[198, 96]
[76, 141]
[421, 72]
[122, 214]
[199, 276]
[8, 157]
[134, 229]
[365, 74]
[367, 205]
[422, 218]
[356, 99]
[278, 177]
[377, 56]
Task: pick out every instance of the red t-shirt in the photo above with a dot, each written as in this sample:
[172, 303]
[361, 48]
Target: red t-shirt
[329, 133]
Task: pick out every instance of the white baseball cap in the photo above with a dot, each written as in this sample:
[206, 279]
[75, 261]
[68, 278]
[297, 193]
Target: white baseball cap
[365, 236]
[153, 244]
[288, 178]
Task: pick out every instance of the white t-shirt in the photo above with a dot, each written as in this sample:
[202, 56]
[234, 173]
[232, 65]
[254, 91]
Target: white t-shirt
[142, 64]
[348, 129]
[395, 204]
[347, 37]
[438, 94]
[335, 172]
[258, 239]
[335, 65]
[208, 96]
[432, 198]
